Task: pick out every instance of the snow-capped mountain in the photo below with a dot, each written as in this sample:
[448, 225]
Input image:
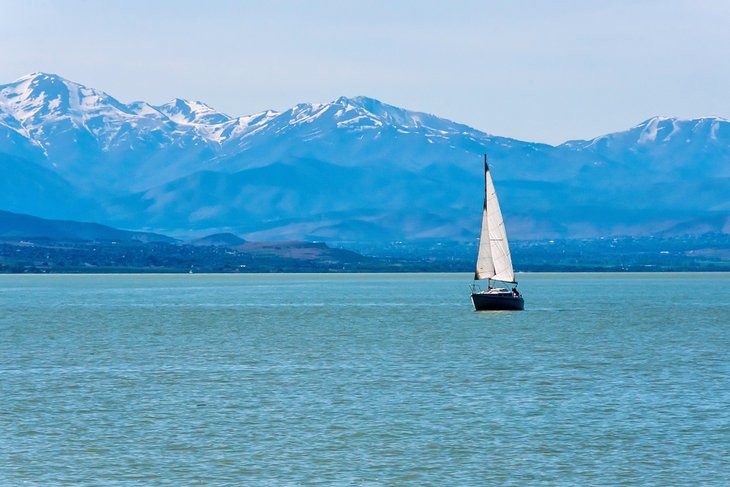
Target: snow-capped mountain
[664, 130]
[351, 169]
[86, 134]
[95, 141]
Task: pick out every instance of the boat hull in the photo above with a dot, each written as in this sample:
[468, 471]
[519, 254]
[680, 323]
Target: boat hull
[493, 302]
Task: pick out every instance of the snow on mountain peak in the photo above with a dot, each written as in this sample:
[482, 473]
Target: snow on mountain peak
[40, 80]
[188, 112]
[361, 113]
[660, 130]
[650, 129]
[39, 97]
[51, 112]
[665, 129]
[36, 100]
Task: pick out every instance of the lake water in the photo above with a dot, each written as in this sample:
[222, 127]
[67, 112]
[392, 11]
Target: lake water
[604, 379]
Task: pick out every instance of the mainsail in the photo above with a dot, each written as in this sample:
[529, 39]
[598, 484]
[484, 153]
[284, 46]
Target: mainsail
[493, 261]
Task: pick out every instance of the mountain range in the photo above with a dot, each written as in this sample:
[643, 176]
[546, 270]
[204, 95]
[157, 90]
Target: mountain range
[352, 170]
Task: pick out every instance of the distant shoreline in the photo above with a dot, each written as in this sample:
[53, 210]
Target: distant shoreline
[710, 253]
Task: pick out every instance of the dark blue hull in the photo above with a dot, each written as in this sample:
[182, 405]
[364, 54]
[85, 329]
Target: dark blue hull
[485, 302]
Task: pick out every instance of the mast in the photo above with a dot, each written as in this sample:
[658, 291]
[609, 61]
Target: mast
[485, 266]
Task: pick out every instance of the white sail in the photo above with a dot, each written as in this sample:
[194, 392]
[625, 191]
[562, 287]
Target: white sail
[493, 260]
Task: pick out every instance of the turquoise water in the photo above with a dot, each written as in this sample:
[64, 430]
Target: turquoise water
[605, 379]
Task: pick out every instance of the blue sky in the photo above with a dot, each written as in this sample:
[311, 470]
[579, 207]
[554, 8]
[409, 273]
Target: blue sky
[537, 70]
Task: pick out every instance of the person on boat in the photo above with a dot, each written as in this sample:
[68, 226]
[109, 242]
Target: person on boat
[515, 292]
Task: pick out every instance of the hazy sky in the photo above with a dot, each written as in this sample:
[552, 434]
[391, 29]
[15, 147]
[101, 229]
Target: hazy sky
[537, 70]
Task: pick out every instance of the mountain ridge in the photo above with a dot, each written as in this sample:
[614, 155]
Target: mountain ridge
[353, 169]
[18, 225]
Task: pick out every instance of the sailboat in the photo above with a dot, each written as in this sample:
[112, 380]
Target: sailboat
[494, 262]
